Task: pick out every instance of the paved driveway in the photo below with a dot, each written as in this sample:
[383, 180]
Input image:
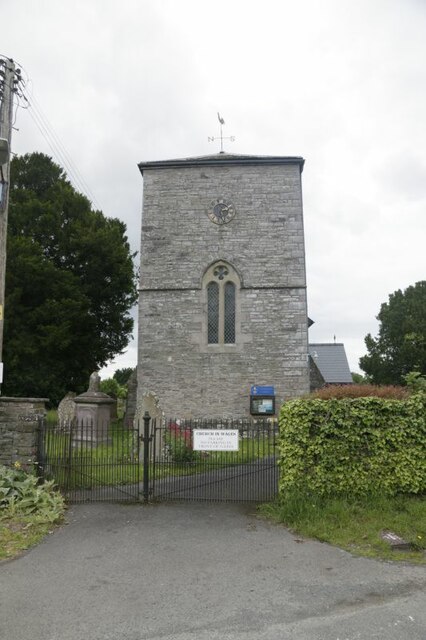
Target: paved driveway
[201, 572]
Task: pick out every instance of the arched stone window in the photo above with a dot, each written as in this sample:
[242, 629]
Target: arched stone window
[221, 283]
[213, 313]
[229, 313]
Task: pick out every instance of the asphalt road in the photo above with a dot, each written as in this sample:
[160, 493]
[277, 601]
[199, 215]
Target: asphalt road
[201, 572]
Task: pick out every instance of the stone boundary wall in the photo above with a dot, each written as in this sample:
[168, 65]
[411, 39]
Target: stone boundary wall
[19, 420]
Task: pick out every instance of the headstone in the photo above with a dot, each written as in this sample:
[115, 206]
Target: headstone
[66, 410]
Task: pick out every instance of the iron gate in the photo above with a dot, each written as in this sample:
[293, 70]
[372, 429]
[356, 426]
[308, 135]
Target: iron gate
[180, 472]
[88, 468]
[159, 460]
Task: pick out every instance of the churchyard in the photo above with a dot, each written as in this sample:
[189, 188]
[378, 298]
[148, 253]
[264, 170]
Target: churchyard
[223, 331]
[351, 473]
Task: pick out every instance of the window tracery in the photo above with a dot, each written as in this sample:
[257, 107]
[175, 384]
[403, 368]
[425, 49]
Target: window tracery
[222, 283]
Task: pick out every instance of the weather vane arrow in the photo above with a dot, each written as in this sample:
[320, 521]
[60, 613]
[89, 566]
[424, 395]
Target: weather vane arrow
[221, 137]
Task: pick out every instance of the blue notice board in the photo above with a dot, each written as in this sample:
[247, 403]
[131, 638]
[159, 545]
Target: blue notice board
[262, 400]
[257, 390]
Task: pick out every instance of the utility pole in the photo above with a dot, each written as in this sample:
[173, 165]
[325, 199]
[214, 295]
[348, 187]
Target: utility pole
[7, 89]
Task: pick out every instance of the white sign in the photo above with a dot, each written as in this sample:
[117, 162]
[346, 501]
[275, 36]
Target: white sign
[215, 440]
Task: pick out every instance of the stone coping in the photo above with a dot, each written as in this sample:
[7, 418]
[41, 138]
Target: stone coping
[10, 399]
[224, 159]
[94, 397]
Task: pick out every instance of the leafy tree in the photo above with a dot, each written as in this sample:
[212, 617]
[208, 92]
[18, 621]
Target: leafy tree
[357, 378]
[401, 344]
[70, 283]
[122, 375]
[113, 389]
[415, 381]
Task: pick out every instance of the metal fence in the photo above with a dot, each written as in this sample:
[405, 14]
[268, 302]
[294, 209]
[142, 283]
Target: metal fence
[210, 460]
[91, 462]
[238, 465]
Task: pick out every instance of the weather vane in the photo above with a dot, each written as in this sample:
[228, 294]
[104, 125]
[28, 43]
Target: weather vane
[221, 137]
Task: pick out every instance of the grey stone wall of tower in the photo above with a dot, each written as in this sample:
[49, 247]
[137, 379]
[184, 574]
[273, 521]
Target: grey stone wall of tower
[263, 243]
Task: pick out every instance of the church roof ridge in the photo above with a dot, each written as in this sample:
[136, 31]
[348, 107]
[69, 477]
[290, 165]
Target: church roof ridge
[221, 159]
[326, 344]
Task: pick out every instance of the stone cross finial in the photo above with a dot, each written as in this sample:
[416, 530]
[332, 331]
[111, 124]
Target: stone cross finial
[94, 381]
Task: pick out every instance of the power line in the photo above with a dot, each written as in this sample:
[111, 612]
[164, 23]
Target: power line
[60, 152]
[57, 146]
[46, 129]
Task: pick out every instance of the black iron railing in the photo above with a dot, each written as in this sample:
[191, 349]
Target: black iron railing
[238, 464]
[91, 462]
[211, 460]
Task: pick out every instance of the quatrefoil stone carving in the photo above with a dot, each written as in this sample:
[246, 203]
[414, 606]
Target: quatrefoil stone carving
[220, 272]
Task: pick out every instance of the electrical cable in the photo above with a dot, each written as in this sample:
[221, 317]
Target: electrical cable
[47, 131]
[60, 147]
[56, 150]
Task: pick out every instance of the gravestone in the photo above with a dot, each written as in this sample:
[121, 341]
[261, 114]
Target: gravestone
[66, 410]
[93, 414]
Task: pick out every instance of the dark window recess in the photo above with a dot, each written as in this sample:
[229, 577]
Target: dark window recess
[229, 327]
[213, 312]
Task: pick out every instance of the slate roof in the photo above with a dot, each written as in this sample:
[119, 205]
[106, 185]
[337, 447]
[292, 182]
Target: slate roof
[224, 159]
[331, 360]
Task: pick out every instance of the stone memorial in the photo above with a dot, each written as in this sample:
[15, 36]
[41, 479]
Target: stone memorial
[93, 414]
[66, 410]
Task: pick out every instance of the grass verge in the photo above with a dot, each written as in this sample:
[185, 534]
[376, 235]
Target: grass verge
[356, 524]
[19, 533]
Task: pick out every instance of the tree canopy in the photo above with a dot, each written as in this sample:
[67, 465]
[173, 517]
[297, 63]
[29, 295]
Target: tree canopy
[70, 284]
[122, 375]
[400, 346]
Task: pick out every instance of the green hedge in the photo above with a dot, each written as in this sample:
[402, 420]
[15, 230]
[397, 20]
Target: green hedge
[353, 446]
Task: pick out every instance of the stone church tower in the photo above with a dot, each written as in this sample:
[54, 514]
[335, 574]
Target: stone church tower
[222, 303]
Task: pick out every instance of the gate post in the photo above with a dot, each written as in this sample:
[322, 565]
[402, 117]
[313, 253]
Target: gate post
[146, 439]
[41, 448]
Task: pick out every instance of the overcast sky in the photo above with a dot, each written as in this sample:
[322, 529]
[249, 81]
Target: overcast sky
[339, 82]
